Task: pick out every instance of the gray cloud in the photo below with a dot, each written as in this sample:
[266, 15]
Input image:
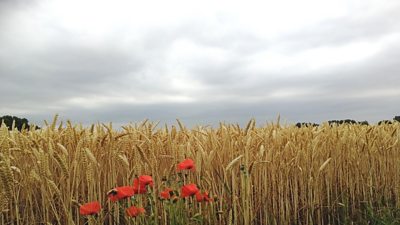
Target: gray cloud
[199, 72]
[343, 30]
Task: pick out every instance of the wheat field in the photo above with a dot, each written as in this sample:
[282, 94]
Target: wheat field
[269, 174]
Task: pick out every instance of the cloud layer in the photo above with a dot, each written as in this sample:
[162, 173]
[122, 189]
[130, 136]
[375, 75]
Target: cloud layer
[202, 63]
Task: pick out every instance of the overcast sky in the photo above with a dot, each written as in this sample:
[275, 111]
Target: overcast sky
[200, 61]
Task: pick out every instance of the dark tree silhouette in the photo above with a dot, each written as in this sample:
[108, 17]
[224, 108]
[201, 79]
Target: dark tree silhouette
[347, 121]
[384, 122]
[396, 118]
[306, 125]
[20, 123]
[332, 122]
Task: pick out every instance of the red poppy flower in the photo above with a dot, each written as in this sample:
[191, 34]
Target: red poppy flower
[166, 194]
[146, 180]
[189, 190]
[119, 193]
[90, 208]
[134, 211]
[139, 187]
[199, 197]
[140, 183]
[187, 164]
[203, 197]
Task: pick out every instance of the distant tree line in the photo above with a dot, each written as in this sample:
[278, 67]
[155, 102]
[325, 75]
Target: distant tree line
[19, 123]
[347, 121]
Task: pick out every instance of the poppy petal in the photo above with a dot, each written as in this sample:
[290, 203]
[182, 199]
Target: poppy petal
[199, 197]
[139, 187]
[134, 211]
[166, 194]
[146, 180]
[120, 193]
[189, 190]
[90, 208]
[187, 164]
[203, 197]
